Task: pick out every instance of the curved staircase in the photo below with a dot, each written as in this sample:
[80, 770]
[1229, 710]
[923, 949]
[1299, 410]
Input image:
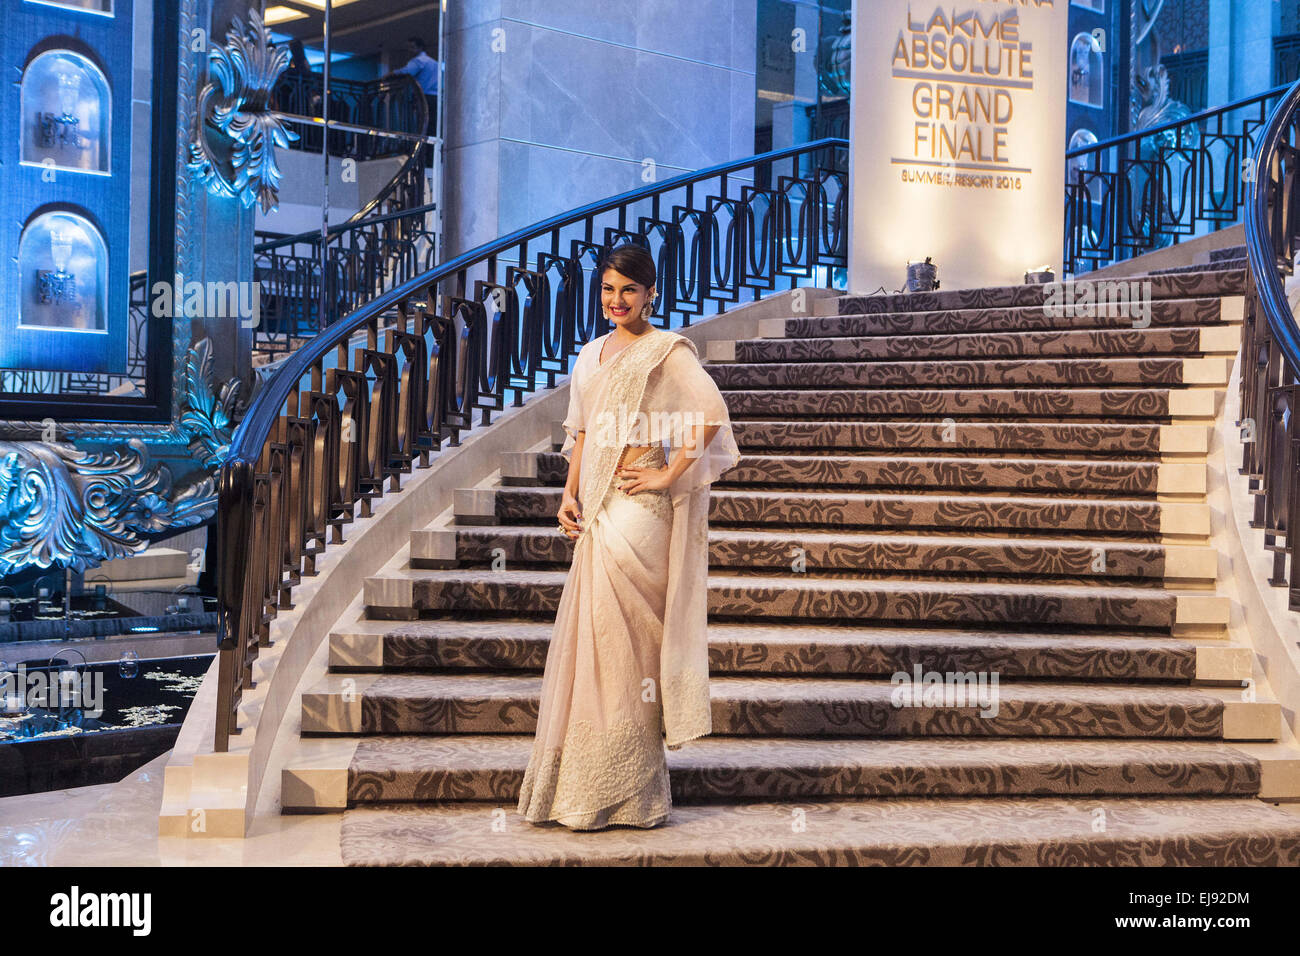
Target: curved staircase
[944, 482]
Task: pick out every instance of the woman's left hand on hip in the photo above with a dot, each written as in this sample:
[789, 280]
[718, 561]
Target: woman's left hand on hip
[634, 479]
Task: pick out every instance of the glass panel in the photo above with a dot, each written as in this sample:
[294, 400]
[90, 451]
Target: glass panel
[63, 268]
[1086, 70]
[66, 113]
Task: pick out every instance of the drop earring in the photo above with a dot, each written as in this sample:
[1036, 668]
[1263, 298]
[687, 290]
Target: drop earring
[648, 309]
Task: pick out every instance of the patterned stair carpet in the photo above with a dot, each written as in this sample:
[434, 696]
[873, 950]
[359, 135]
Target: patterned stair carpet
[972, 482]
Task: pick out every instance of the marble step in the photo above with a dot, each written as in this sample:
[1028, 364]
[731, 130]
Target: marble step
[969, 373]
[863, 510]
[835, 550]
[1121, 438]
[1056, 404]
[1163, 312]
[1227, 253]
[1239, 263]
[1186, 285]
[759, 707]
[920, 472]
[910, 831]
[521, 645]
[326, 774]
[403, 595]
[1191, 340]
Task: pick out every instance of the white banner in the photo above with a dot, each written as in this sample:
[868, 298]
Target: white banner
[957, 140]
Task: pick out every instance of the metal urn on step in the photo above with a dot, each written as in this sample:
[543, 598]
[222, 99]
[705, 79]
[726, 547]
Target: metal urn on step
[922, 276]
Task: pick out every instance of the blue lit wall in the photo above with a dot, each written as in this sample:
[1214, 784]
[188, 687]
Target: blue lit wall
[73, 308]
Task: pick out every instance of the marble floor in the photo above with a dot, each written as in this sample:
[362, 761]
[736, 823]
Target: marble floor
[117, 825]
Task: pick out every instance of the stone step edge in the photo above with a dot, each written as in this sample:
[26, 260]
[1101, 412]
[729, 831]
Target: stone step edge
[1173, 477]
[314, 777]
[334, 704]
[1205, 370]
[478, 506]
[439, 547]
[1231, 310]
[357, 651]
[1221, 338]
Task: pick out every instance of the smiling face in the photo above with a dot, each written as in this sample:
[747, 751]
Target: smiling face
[623, 298]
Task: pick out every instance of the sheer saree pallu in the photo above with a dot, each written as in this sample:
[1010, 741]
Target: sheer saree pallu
[628, 660]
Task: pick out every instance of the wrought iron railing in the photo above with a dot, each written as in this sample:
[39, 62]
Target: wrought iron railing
[396, 105]
[1270, 347]
[384, 243]
[354, 409]
[364, 258]
[1158, 186]
[1286, 59]
[1189, 78]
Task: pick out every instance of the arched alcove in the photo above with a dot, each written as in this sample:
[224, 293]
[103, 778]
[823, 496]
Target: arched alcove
[63, 274]
[1087, 70]
[66, 113]
[1078, 139]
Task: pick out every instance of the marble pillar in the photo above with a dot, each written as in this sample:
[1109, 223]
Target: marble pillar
[553, 105]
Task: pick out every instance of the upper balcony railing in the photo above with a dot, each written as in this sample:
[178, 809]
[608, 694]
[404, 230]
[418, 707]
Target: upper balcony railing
[1156, 187]
[396, 106]
[309, 280]
[373, 395]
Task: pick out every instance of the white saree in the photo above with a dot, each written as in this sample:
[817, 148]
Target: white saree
[627, 670]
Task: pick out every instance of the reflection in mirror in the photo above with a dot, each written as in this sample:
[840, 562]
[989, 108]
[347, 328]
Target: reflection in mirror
[63, 264]
[1086, 70]
[66, 113]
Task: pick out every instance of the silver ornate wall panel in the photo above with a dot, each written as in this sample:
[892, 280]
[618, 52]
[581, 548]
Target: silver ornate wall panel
[241, 162]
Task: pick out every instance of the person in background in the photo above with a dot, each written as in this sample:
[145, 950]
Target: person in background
[424, 69]
[297, 90]
[298, 65]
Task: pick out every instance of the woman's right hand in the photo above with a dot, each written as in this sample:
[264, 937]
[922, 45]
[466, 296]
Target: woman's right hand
[570, 516]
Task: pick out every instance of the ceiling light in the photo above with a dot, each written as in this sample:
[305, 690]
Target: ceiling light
[276, 15]
[320, 4]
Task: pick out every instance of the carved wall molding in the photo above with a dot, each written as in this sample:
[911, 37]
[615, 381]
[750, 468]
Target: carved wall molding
[68, 508]
[234, 103]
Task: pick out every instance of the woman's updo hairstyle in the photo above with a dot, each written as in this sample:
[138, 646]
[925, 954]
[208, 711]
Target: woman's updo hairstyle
[630, 260]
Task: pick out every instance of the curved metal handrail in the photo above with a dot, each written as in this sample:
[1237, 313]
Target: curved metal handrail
[303, 458]
[1264, 251]
[247, 442]
[1270, 348]
[412, 168]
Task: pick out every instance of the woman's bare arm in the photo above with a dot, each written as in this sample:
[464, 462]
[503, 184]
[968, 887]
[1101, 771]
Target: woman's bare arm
[570, 514]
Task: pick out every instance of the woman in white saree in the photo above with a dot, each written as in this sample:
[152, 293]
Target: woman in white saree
[627, 669]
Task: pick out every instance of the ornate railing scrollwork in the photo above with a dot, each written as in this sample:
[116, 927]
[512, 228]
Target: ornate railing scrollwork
[1270, 349]
[377, 392]
[1179, 177]
[382, 245]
